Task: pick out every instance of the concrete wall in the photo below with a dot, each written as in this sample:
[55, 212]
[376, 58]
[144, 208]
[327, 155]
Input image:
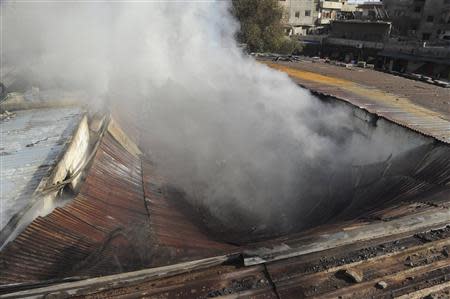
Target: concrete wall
[329, 11]
[327, 15]
[418, 49]
[362, 31]
[435, 19]
[422, 20]
[300, 14]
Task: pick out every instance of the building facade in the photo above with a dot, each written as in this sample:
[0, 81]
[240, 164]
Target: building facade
[330, 10]
[372, 11]
[426, 20]
[299, 15]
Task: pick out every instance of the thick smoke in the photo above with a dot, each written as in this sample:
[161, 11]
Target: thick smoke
[241, 140]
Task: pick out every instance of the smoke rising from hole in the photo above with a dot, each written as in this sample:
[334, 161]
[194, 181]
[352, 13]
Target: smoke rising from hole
[242, 140]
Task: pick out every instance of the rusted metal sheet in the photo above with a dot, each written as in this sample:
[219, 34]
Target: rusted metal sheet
[210, 282]
[401, 181]
[218, 281]
[97, 233]
[123, 219]
[402, 269]
[406, 104]
[394, 266]
[176, 226]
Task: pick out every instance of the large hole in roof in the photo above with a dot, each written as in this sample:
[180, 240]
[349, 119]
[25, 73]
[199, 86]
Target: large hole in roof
[407, 167]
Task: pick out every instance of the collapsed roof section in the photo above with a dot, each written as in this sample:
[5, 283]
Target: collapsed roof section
[126, 217]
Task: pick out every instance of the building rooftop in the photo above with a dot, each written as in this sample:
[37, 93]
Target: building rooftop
[32, 142]
[419, 106]
[402, 251]
[121, 220]
[129, 233]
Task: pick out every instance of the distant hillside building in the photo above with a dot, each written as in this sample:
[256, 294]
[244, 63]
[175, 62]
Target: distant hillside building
[299, 15]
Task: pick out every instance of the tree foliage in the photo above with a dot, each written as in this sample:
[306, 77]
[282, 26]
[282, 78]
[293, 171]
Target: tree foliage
[261, 26]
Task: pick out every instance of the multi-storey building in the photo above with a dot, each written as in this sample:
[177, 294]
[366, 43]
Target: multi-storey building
[300, 15]
[330, 10]
[425, 20]
[372, 11]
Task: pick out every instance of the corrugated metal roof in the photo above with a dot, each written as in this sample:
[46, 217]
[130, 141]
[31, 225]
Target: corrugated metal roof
[31, 144]
[408, 104]
[121, 220]
[409, 263]
[110, 228]
[99, 232]
[175, 224]
[406, 245]
[126, 218]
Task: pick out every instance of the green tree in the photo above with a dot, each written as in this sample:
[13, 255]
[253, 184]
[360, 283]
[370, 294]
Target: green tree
[261, 26]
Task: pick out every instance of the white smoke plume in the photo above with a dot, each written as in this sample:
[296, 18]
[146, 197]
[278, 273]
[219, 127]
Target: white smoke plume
[239, 138]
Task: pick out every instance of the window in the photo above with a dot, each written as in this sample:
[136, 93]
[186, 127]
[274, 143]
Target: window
[430, 19]
[307, 13]
[297, 14]
[417, 9]
[426, 36]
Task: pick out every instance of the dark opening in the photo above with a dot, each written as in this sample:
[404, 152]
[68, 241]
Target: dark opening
[416, 170]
